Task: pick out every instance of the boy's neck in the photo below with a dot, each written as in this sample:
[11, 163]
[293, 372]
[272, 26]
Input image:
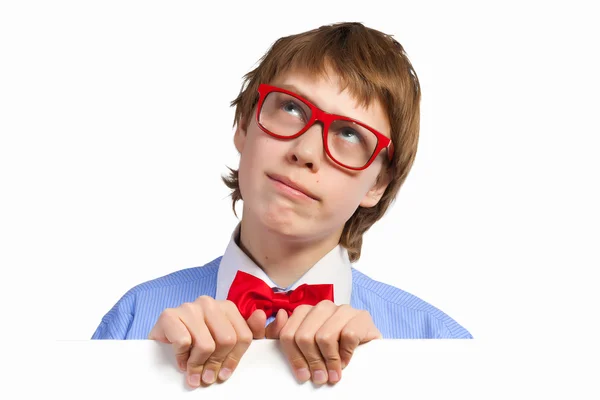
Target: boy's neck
[283, 260]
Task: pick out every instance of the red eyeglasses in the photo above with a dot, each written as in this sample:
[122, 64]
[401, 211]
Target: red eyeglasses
[348, 142]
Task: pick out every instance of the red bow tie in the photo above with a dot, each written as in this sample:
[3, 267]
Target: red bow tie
[250, 293]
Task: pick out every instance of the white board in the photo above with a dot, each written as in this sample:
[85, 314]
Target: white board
[147, 369]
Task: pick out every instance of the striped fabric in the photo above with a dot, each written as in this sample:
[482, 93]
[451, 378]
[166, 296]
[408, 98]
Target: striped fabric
[396, 313]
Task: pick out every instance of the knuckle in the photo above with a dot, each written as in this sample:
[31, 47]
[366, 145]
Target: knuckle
[346, 354]
[245, 337]
[193, 364]
[167, 311]
[323, 338]
[167, 314]
[184, 342]
[315, 362]
[304, 339]
[349, 334]
[333, 358]
[168, 317]
[193, 367]
[228, 304]
[286, 336]
[187, 306]
[346, 307]
[212, 362]
[226, 341]
[205, 347]
[326, 304]
[232, 360]
[303, 308]
[298, 361]
[206, 302]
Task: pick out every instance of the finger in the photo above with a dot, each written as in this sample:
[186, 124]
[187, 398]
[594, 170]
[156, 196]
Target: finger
[306, 339]
[225, 338]
[358, 330]
[257, 322]
[244, 338]
[157, 332]
[202, 345]
[327, 338]
[170, 329]
[274, 329]
[287, 339]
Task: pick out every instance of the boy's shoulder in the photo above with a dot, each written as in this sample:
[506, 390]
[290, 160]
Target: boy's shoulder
[185, 276]
[171, 287]
[134, 314]
[400, 313]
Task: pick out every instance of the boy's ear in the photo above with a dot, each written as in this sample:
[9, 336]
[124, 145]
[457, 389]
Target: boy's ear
[239, 138]
[374, 195]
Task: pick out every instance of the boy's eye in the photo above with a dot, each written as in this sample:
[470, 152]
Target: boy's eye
[292, 108]
[350, 135]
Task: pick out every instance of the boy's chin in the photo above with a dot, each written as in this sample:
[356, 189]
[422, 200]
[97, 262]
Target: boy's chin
[281, 208]
[292, 226]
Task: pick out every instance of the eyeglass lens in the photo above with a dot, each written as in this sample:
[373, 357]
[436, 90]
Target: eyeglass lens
[348, 142]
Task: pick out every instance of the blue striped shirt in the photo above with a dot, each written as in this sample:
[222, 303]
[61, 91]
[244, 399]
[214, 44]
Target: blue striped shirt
[396, 313]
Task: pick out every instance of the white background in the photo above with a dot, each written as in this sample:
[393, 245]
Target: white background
[116, 128]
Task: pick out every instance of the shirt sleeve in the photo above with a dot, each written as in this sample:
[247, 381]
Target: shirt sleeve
[115, 324]
[453, 330]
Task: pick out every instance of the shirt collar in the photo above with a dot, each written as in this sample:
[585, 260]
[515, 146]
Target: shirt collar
[334, 268]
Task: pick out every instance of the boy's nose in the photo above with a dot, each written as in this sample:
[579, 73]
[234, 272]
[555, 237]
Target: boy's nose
[307, 149]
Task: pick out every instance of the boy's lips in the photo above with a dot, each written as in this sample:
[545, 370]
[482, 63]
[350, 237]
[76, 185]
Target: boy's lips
[294, 185]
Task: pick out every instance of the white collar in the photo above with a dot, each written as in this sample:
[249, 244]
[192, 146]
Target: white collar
[334, 268]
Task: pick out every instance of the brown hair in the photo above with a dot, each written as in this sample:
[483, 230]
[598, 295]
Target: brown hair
[372, 65]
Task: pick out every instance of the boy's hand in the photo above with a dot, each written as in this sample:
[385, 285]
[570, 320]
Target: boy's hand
[209, 338]
[319, 341]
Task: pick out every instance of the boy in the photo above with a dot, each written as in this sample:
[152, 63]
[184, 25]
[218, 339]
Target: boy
[327, 130]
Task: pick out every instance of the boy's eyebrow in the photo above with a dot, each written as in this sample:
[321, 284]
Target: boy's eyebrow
[300, 92]
[296, 90]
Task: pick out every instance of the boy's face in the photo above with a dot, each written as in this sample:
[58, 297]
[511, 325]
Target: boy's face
[336, 192]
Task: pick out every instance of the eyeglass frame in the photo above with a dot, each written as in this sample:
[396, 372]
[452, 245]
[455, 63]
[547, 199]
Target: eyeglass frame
[318, 115]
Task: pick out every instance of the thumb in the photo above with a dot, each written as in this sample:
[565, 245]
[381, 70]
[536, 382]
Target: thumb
[274, 328]
[256, 323]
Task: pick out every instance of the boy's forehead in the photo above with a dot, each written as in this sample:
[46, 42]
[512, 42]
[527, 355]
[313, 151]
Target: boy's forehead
[305, 79]
[327, 91]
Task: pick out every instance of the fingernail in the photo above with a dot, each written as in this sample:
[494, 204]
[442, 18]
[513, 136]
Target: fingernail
[194, 380]
[224, 373]
[208, 376]
[303, 374]
[333, 376]
[182, 366]
[319, 376]
[343, 364]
